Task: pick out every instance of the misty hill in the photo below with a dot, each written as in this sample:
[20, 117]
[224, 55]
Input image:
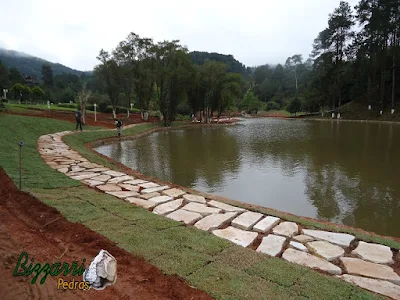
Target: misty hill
[31, 65]
[234, 66]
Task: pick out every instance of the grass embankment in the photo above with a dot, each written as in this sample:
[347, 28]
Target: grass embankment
[222, 269]
[26, 108]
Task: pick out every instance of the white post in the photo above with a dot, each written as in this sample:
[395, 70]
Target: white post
[392, 111]
[381, 112]
[333, 115]
[5, 91]
[369, 107]
[48, 104]
[131, 105]
[338, 115]
[95, 117]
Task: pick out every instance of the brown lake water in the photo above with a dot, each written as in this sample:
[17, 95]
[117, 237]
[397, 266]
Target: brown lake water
[343, 172]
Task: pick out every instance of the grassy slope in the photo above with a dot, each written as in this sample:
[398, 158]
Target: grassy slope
[214, 265]
[26, 108]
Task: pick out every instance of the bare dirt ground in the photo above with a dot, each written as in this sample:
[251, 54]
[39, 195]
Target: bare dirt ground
[31, 226]
[105, 120]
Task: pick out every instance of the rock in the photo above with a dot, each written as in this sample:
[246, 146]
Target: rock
[63, 170]
[140, 202]
[103, 178]
[325, 250]
[168, 207]
[240, 237]
[102, 271]
[148, 185]
[187, 217]
[355, 266]
[215, 221]
[98, 169]
[129, 187]
[173, 192]
[288, 229]
[109, 188]
[160, 199]
[374, 285]
[113, 173]
[90, 182]
[123, 194]
[150, 195]
[77, 169]
[135, 181]
[120, 179]
[298, 246]
[224, 206]
[154, 189]
[375, 253]
[303, 238]
[311, 261]
[246, 220]
[84, 176]
[202, 209]
[271, 245]
[341, 239]
[266, 224]
[194, 198]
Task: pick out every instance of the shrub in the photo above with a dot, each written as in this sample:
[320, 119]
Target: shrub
[272, 105]
[183, 109]
[180, 117]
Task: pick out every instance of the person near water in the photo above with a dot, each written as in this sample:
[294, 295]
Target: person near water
[78, 118]
[118, 123]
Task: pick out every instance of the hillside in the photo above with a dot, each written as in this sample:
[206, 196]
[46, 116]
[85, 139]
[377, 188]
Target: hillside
[234, 65]
[31, 65]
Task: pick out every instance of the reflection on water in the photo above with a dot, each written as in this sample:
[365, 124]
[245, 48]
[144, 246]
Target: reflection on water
[342, 172]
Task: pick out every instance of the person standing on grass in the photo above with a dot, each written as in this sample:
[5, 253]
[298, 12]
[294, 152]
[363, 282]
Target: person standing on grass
[118, 123]
[78, 118]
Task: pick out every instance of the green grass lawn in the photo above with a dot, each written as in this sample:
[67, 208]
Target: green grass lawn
[220, 268]
[26, 108]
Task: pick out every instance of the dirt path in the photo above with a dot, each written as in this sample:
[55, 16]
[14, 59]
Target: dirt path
[25, 226]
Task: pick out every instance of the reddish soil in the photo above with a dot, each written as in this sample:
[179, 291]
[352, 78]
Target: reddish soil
[105, 120]
[31, 226]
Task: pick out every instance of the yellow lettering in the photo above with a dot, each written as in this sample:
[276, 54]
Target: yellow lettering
[65, 285]
[60, 283]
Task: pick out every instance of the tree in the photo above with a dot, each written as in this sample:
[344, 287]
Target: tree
[82, 99]
[37, 92]
[109, 73]
[294, 106]
[47, 75]
[4, 80]
[250, 103]
[291, 65]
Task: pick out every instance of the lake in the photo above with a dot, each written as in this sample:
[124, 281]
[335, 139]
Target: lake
[343, 172]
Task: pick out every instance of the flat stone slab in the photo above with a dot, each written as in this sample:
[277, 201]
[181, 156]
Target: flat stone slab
[173, 192]
[90, 182]
[341, 239]
[109, 188]
[325, 250]
[202, 209]
[84, 176]
[140, 202]
[246, 220]
[160, 199]
[374, 285]
[63, 170]
[114, 173]
[77, 169]
[215, 221]
[97, 169]
[355, 266]
[120, 179]
[168, 207]
[375, 253]
[136, 181]
[103, 178]
[303, 238]
[271, 245]
[129, 187]
[310, 261]
[298, 246]
[187, 217]
[123, 194]
[266, 224]
[155, 189]
[194, 198]
[148, 185]
[224, 206]
[287, 229]
[150, 195]
[240, 237]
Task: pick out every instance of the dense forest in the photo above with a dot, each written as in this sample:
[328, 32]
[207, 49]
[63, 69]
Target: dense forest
[355, 58]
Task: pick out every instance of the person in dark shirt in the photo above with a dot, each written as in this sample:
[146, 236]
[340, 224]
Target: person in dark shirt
[118, 123]
[78, 118]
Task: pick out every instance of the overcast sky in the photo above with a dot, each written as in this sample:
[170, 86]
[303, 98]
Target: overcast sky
[254, 32]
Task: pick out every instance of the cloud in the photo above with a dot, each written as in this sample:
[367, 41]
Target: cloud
[73, 32]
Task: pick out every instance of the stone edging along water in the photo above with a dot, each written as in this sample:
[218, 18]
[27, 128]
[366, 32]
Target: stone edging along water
[367, 265]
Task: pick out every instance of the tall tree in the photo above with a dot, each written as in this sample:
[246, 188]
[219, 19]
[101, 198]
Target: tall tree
[47, 75]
